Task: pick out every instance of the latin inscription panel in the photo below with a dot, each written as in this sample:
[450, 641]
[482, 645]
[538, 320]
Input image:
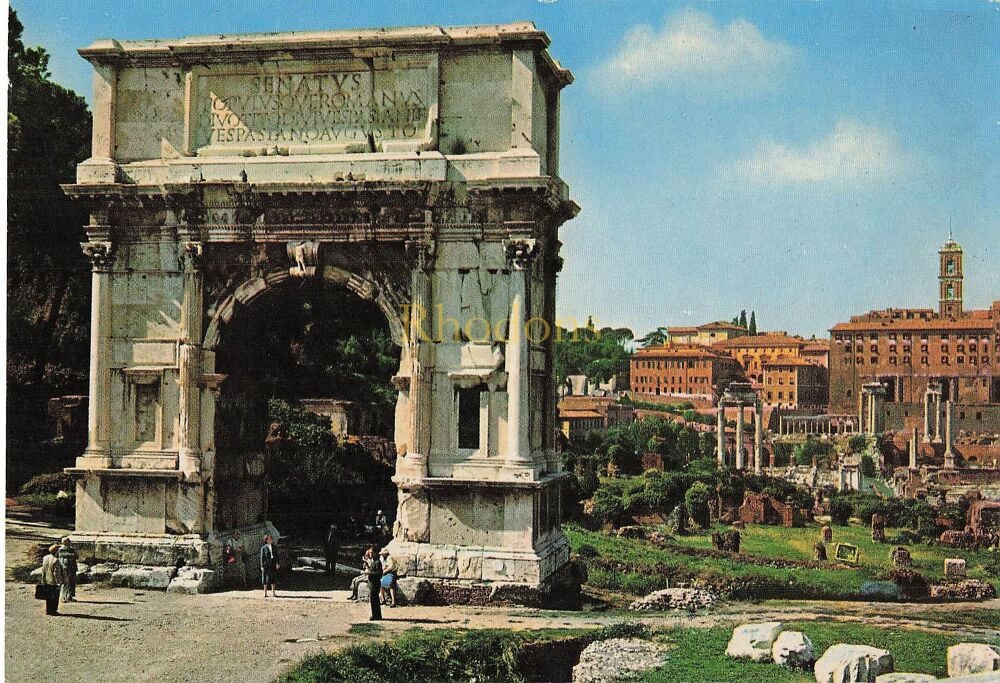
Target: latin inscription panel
[330, 108]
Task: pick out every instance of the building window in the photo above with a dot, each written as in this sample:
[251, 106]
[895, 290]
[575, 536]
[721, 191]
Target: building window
[468, 417]
[923, 360]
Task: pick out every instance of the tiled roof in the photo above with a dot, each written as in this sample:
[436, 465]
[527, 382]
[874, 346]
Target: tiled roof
[721, 325]
[964, 323]
[579, 414]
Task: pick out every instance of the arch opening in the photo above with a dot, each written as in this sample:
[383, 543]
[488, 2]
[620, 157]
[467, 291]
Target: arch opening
[304, 419]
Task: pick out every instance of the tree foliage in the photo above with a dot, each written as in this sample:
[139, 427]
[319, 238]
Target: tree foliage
[48, 278]
[598, 354]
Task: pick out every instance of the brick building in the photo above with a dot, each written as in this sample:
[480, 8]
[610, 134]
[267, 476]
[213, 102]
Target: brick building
[753, 352]
[581, 414]
[904, 349]
[684, 371]
[794, 383]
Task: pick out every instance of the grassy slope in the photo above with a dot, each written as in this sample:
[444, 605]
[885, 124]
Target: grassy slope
[765, 541]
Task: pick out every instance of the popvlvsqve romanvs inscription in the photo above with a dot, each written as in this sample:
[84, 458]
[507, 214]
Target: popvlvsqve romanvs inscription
[317, 108]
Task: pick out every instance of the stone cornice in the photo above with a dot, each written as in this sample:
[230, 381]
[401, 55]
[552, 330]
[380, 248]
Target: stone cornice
[348, 44]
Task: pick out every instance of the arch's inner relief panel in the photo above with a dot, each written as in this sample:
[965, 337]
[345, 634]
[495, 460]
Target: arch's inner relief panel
[415, 169]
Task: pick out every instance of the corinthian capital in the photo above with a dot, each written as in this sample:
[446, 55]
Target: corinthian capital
[191, 253]
[520, 253]
[100, 254]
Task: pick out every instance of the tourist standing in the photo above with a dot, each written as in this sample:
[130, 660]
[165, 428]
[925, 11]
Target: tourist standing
[331, 548]
[269, 566]
[67, 558]
[374, 568]
[381, 527]
[389, 572]
[52, 578]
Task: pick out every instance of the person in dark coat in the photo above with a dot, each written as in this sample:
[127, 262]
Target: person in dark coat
[269, 566]
[373, 566]
[68, 559]
[331, 548]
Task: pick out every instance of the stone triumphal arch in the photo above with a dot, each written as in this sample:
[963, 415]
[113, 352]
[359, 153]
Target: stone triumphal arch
[416, 167]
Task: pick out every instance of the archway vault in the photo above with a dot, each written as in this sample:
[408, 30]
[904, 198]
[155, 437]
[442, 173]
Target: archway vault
[442, 213]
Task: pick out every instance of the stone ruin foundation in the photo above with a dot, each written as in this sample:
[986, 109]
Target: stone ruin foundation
[416, 168]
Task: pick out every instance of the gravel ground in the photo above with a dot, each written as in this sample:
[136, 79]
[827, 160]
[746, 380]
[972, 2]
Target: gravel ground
[115, 634]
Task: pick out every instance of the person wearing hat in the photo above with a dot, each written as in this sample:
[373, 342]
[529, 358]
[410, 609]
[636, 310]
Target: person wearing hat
[68, 559]
[388, 583]
[52, 578]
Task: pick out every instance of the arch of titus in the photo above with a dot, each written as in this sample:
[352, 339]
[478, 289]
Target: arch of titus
[418, 168]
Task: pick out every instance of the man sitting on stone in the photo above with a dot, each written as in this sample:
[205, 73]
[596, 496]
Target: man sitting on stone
[363, 576]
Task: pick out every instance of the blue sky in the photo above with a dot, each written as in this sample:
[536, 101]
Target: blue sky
[802, 159]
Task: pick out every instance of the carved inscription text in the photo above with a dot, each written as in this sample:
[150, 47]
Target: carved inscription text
[315, 108]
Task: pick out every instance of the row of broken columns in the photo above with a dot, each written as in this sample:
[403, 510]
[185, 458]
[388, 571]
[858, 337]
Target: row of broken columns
[738, 461]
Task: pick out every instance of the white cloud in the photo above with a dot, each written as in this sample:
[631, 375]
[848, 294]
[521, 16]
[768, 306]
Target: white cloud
[693, 53]
[851, 152]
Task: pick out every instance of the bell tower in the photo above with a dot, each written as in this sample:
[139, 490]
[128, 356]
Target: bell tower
[950, 279]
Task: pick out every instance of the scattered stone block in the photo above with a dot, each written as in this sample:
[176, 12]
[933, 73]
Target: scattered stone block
[754, 641]
[102, 571]
[972, 658]
[615, 658]
[675, 599]
[793, 649]
[954, 568]
[901, 558]
[846, 663]
[193, 580]
[138, 576]
[968, 590]
[902, 677]
[409, 590]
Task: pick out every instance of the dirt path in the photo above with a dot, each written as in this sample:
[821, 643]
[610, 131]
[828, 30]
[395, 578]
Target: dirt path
[115, 634]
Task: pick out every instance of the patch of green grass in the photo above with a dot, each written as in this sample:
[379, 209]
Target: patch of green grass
[699, 654]
[770, 542]
[49, 502]
[365, 628]
[662, 563]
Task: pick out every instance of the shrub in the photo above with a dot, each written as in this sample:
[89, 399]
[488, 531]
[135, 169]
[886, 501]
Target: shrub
[52, 483]
[867, 466]
[857, 443]
[840, 511]
[608, 505]
[696, 499]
